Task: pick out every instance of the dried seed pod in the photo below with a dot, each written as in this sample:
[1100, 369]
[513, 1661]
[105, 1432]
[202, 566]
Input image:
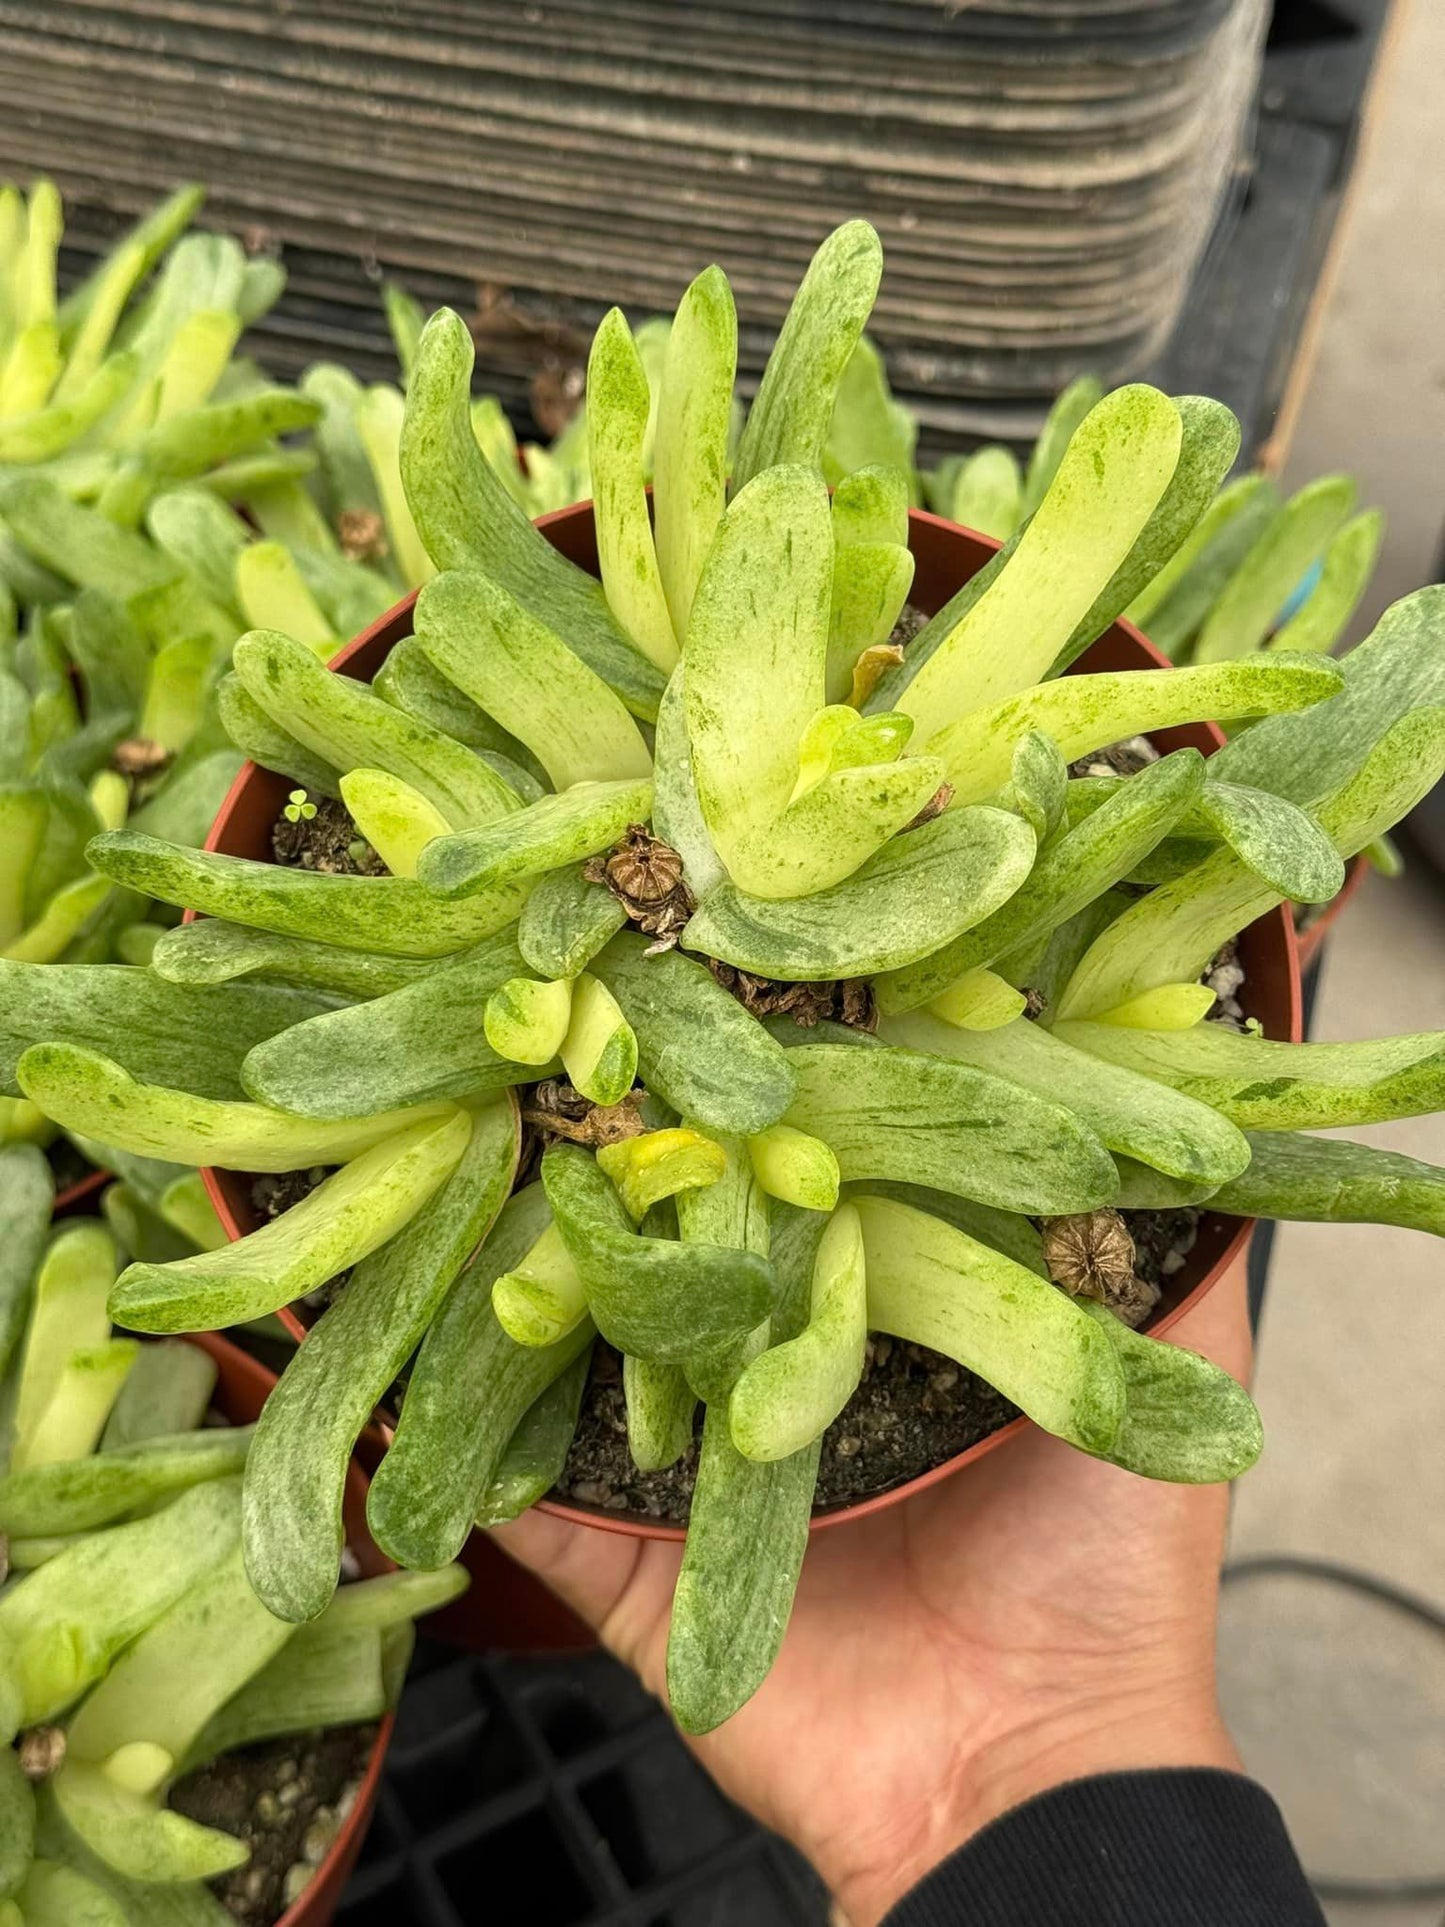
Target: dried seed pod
[42, 1752]
[1091, 1255]
[139, 756]
[362, 535]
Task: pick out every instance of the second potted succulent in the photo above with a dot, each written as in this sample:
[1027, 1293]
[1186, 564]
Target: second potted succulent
[850, 1003]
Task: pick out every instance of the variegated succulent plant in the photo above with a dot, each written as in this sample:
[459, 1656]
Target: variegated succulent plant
[629, 831]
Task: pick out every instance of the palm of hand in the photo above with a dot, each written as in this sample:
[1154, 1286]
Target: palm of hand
[1038, 1617]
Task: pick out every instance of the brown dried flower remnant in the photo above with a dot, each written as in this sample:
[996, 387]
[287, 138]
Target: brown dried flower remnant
[138, 756]
[362, 535]
[558, 1111]
[870, 668]
[844, 1000]
[645, 876]
[935, 806]
[1091, 1255]
[42, 1752]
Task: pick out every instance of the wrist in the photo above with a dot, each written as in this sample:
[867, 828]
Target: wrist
[1124, 1735]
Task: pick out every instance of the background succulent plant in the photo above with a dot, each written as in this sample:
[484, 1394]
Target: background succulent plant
[713, 772]
[134, 1648]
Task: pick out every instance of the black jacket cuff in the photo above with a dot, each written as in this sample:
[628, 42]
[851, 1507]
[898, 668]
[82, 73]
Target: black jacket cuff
[1191, 1847]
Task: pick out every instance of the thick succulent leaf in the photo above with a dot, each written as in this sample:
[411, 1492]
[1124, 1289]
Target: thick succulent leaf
[869, 426]
[394, 916]
[422, 1041]
[887, 691]
[697, 1048]
[297, 1468]
[469, 1390]
[690, 451]
[1084, 713]
[522, 673]
[1170, 935]
[793, 409]
[409, 680]
[661, 1407]
[747, 1532]
[1130, 1113]
[79, 543]
[1171, 607]
[676, 813]
[1206, 455]
[1006, 1231]
[350, 728]
[1270, 836]
[790, 1394]
[1141, 1188]
[1330, 1181]
[756, 649]
[651, 1297]
[933, 883]
[140, 1839]
[565, 922]
[1069, 408]
[936, 1286]
[922, 1119]
[1400, 667]
[1038, 783]
[1349, 562]
[576, 823]
[870, 504]
[256, 736]
[1262, 1085]
[1112, 475]
[987, 493]
[1185, 1420]
[1072, 873]
[618, 405]
[1281, 557]
[835, 826]
[536, 1454]
[211, 951]
[733, 1211]
[468, 520]
[195, 1037]
[345, 1218]
[94, 1096]
[871, 581]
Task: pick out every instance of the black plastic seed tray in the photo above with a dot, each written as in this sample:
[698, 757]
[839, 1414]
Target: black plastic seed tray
[554, 1792]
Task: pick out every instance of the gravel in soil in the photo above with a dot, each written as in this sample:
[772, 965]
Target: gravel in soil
[287, 1800]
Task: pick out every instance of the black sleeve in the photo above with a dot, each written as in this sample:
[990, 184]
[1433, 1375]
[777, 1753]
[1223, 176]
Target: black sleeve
[1193, 1848]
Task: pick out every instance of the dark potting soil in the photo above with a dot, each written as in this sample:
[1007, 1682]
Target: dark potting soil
[67, 1164]
[911, 622]
[287, 1800]
[328, 841]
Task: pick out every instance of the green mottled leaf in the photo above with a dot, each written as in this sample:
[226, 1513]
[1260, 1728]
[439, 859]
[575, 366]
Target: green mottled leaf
[1072, 873]
[1171, 607]
[195, 1037]
[522, 673]
[1185, 1419]
[1114, 471]
[1349, 562]
[1084, 713]
[929, 885]
[554, 830]
[395, 916]
[1070, 407]
[1130, 1113]
[1327, 1180]
[650, 1297]
[345, 1218]
[468, 520]
[697, 1048]
[694, 415]
[565, 922]
[935, 1286]
[1274, 568]
[618, 404]
[422, 1041]
[921, 1119]
[1262, 1085]
[793, 409]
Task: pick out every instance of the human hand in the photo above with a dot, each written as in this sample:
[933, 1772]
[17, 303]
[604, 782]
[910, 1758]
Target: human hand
[1040, 1617]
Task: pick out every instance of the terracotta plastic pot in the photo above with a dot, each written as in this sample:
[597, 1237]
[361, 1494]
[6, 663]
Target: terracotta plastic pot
[1311, 939]
[945, 557]
[242, 1387]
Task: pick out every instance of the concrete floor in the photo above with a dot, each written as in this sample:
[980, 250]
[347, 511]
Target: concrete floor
[1339, 1703]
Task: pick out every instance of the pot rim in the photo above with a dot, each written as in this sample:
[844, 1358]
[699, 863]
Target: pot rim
[1278, 923]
